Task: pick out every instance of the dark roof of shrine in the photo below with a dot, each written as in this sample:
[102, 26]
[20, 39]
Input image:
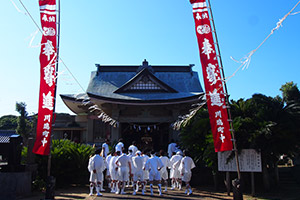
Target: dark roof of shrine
[115, 84]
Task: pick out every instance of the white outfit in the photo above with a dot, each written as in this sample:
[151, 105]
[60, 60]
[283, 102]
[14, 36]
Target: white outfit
[153, 164]
[133, 148]
[119, 147]
[107, 159]
[105, 149]
[137, 165]
[186, 165]
[175, 162]
[172, 148]
[146, 172]
[112, 168]
[164, 172]
[96, 163]
[123, 162]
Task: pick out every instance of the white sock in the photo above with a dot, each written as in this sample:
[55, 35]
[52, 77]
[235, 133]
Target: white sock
[91, 188]
[98, 189]
[137, 187]
[134, 186]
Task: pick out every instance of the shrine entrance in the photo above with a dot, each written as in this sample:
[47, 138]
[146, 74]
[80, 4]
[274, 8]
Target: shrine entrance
[138, 102]
[147, 136]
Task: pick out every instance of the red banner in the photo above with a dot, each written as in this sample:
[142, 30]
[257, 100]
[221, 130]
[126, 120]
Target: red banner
[215, 98]
[48, 59]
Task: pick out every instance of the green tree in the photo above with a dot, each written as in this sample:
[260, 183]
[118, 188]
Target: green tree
[290, 92]
[8, 122]
[25, 123]
[268, 125]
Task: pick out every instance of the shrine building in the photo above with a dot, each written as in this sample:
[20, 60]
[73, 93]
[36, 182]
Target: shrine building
[139, 103]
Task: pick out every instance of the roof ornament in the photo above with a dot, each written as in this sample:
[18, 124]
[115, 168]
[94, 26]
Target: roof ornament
[145, 64]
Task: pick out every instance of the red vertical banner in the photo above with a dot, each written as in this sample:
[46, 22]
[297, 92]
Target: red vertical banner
[48, 59]
[215, 96]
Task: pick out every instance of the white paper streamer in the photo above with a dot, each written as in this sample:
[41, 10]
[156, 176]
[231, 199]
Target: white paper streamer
[18, 8]
[33, 35]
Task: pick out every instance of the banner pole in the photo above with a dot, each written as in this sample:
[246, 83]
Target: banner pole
[226, 91]
[50, 187]
[56, 70]
[228, 105]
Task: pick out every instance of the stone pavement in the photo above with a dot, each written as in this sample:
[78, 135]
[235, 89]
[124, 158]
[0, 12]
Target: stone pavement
[73, 193]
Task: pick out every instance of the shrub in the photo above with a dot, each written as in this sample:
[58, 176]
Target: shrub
[68, 164]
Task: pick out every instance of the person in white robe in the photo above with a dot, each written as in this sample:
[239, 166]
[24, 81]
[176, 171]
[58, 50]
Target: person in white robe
[146, 172]
[108, 177]
[185, 168]
[130, 155]
[119, 146]
[96, 167]
[124, 171]
[113, 172]
[133, 148]
[172, 147]
[154, 165]
[174, 172]
[105, 148]
[164, 172]
[138, 176]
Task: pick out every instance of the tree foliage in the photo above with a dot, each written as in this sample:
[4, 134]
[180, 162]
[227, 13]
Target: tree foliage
[268, 124]
[8, 122]
[24, 124]
[290, 92]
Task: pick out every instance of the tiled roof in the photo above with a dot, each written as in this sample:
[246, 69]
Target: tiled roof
[105, 84]
[178, 83]
[6, 135]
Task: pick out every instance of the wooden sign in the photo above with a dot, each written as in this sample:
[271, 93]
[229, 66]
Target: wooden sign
[249, 160]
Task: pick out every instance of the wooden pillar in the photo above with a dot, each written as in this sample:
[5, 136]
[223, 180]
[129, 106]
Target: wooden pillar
[228, 183]
[252, 184]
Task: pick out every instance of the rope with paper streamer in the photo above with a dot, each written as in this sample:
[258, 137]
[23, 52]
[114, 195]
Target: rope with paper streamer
[245, 61]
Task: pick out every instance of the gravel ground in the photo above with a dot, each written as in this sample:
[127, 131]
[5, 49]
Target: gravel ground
[81, 192]
[73, 193]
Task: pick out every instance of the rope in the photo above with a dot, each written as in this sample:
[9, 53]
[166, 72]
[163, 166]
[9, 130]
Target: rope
[245, 61]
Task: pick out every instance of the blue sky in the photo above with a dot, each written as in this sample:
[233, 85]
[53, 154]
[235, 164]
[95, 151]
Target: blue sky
[162, 31]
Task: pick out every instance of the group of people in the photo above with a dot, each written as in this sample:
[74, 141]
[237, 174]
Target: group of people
[139, 169]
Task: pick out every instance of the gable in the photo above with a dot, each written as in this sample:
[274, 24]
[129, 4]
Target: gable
[145, 81]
